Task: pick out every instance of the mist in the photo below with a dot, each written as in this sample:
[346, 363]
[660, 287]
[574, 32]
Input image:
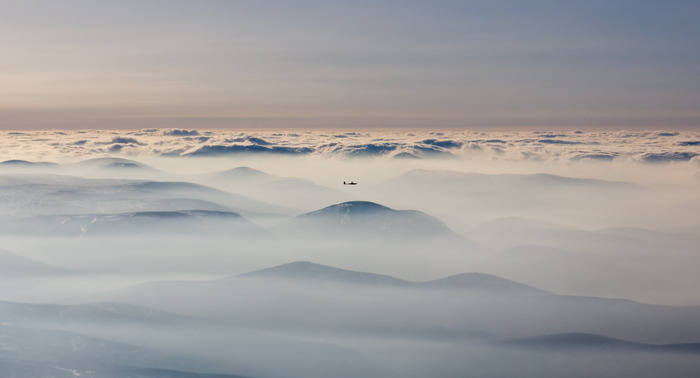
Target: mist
[190, 253]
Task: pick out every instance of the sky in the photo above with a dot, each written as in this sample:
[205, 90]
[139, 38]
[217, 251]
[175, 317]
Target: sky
[130, 64]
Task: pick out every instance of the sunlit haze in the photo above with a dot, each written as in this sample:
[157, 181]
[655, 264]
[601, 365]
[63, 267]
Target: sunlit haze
[385, 189]
[250, 64]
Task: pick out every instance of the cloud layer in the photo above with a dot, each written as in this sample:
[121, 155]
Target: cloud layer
[646, 146]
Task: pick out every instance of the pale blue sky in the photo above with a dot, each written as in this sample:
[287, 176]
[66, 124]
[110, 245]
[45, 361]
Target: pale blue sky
[476, 64]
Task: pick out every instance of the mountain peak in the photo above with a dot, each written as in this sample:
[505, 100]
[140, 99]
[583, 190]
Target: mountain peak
[308, 271]
[26, 163]
[363, 217]
[482, 281]
[354, 207]
[115, 163]
[245, 173]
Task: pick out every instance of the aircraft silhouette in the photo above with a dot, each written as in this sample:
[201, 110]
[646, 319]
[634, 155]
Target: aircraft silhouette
[349, 183]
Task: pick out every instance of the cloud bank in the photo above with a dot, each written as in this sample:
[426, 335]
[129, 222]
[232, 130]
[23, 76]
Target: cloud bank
[653, 147]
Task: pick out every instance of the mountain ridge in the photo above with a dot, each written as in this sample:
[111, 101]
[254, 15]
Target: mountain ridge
[582, 340]
[309, 271]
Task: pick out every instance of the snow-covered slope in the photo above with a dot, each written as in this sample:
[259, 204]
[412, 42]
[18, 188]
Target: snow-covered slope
[362, 218]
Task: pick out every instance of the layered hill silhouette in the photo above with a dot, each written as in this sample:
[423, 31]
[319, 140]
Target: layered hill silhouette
[468, 302]
[148, 222]
[29, 314]
[112, 163]
[587, 341]
[279, 190]
[37, 352]
[457, 192]
[57, 194]
[245, 175]
[305, 271]
[16, 266]
[309, 273]
[26, 164]
[449, 181]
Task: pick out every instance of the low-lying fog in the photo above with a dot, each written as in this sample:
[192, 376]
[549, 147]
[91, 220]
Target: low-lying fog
[184, 253]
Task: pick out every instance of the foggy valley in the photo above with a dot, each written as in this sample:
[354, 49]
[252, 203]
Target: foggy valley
[251, 261]
[380, 189]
